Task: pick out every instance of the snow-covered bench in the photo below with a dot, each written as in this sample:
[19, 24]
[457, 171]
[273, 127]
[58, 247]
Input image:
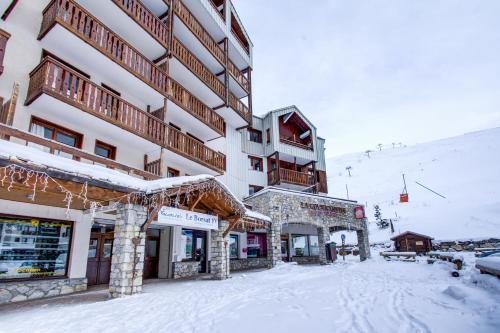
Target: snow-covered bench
[489, 265]
[404, 256]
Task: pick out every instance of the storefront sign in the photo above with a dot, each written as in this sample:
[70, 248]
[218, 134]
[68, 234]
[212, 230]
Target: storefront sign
[185, 218]
[322, 210]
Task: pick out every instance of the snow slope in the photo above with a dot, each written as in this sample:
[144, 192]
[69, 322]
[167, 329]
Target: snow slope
[465, 169]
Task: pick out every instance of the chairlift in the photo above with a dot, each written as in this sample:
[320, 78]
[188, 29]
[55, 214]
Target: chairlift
[403, 197]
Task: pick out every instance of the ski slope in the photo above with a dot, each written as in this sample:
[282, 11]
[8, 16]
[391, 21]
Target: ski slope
[464, 169]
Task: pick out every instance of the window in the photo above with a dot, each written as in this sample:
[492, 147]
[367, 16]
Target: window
[54, 132]
[314, 245]
[172, 173]
[268, 136]
[254, 135]
[187, 244]
[256, 163]
[300, 246]
[104, 150]
[4, 37]
[234, 248]
[256, 245]
[32, 248]
[252, 189]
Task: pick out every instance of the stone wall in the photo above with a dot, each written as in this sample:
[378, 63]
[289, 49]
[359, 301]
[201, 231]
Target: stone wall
[465, 245]
[185, 269]
[28, 290]
[249, 263]
[306, 260]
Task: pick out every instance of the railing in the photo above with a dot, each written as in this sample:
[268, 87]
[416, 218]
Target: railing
[290, 176]
[61, 82]
[198, 68]
[8, 109]
[197, 29]
[240, 108]
[55, 146]
[153, 167]
[296, 143]
[238, 76]
[146, 19]
[247, 50]
[80, 22]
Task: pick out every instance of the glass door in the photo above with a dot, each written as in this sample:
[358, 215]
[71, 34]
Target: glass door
[200, 249]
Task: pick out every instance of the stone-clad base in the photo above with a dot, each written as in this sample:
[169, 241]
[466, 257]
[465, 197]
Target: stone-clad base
[28, 290]
[185, 269]
[249, 263]
[306, 260]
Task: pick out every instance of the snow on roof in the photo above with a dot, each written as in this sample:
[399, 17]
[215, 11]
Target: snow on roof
[32, 156]
[293, 192]
[412, 233]
[256, 215]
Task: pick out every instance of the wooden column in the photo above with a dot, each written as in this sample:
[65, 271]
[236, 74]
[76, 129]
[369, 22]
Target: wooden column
[226, 73]
[170, 16]
[315, 177]
[249, 70]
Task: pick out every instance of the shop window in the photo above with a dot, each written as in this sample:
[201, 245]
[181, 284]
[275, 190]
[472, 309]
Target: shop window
[104, 150]
[252, 189]
[314, 245]
[254, 135]
[300, 246]
[256, 245]
[256, 163]
[4, 37]
[234, 246]
[32, 248]
[187, 244]
[172, 173]
[57, 133]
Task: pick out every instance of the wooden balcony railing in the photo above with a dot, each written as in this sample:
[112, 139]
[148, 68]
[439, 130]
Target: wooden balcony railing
[240, 108]
[197, 29]
[146, 19]
[77, 20]
[296, 143]
[198, 68]
[291, 177]
[65, 84]
[55, 146]
[238, 76]
[153, 167]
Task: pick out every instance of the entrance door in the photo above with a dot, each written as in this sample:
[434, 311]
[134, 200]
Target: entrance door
[200, 249]
[99, 258]
[151, 257]
[284, 248]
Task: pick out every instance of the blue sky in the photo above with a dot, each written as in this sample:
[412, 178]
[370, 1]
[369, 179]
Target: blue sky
[378, 71]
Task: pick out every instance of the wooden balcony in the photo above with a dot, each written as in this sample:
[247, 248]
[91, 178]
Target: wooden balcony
[189, 60]
[81, 155]
[276, 176]
[136, 10]
[240, 108]
[238, 76]
[77, 20]
[59, 81]
[296, 142]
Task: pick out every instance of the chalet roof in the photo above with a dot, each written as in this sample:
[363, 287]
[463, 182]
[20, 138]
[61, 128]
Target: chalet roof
[291, 108]
[410, 233]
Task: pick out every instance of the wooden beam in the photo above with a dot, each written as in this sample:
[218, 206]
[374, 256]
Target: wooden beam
[231, 226]
[193, 206]
[153, 214]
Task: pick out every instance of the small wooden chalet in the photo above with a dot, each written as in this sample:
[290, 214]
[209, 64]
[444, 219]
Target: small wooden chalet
[410, 241]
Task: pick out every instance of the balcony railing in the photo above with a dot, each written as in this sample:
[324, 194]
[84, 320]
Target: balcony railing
[198, 68]
[146, 19]
[65, 84]
[74, 18]
[290, 176]
[55, 147]
[153, 167]
[197, 29]
[238, 76]
[240, 108]
[296, 143]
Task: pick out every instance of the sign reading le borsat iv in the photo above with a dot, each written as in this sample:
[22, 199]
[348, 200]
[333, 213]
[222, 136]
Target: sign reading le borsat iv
[186, 218]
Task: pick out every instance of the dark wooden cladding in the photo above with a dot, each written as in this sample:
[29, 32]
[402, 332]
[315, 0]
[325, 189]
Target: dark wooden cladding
[197, 29]
[198, 68]
[74, 18]
[240, 108]
[281, 175]
[4, 37]
[146, 19]
[78, 153]
[65, 84]
[322, 181]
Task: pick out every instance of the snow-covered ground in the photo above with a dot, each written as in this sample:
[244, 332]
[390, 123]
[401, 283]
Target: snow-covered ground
[374, 296]
[464, 169]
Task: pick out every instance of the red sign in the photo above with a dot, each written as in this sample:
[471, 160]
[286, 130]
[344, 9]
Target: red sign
[359, 212]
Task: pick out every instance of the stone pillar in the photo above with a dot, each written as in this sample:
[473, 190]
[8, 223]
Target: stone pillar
[219, 256]
[363, 244]
[324, 238]
[127, 262]
[274, 243]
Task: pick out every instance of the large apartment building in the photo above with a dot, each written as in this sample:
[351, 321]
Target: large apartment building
[129, 147]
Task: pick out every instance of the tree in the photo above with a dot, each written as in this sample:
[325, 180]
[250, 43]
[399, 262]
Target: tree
[348, 168]
[381, 222]
[379, 147]
[368, 153]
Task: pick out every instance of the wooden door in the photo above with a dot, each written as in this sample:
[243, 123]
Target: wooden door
[151, 257]
[99, 258]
